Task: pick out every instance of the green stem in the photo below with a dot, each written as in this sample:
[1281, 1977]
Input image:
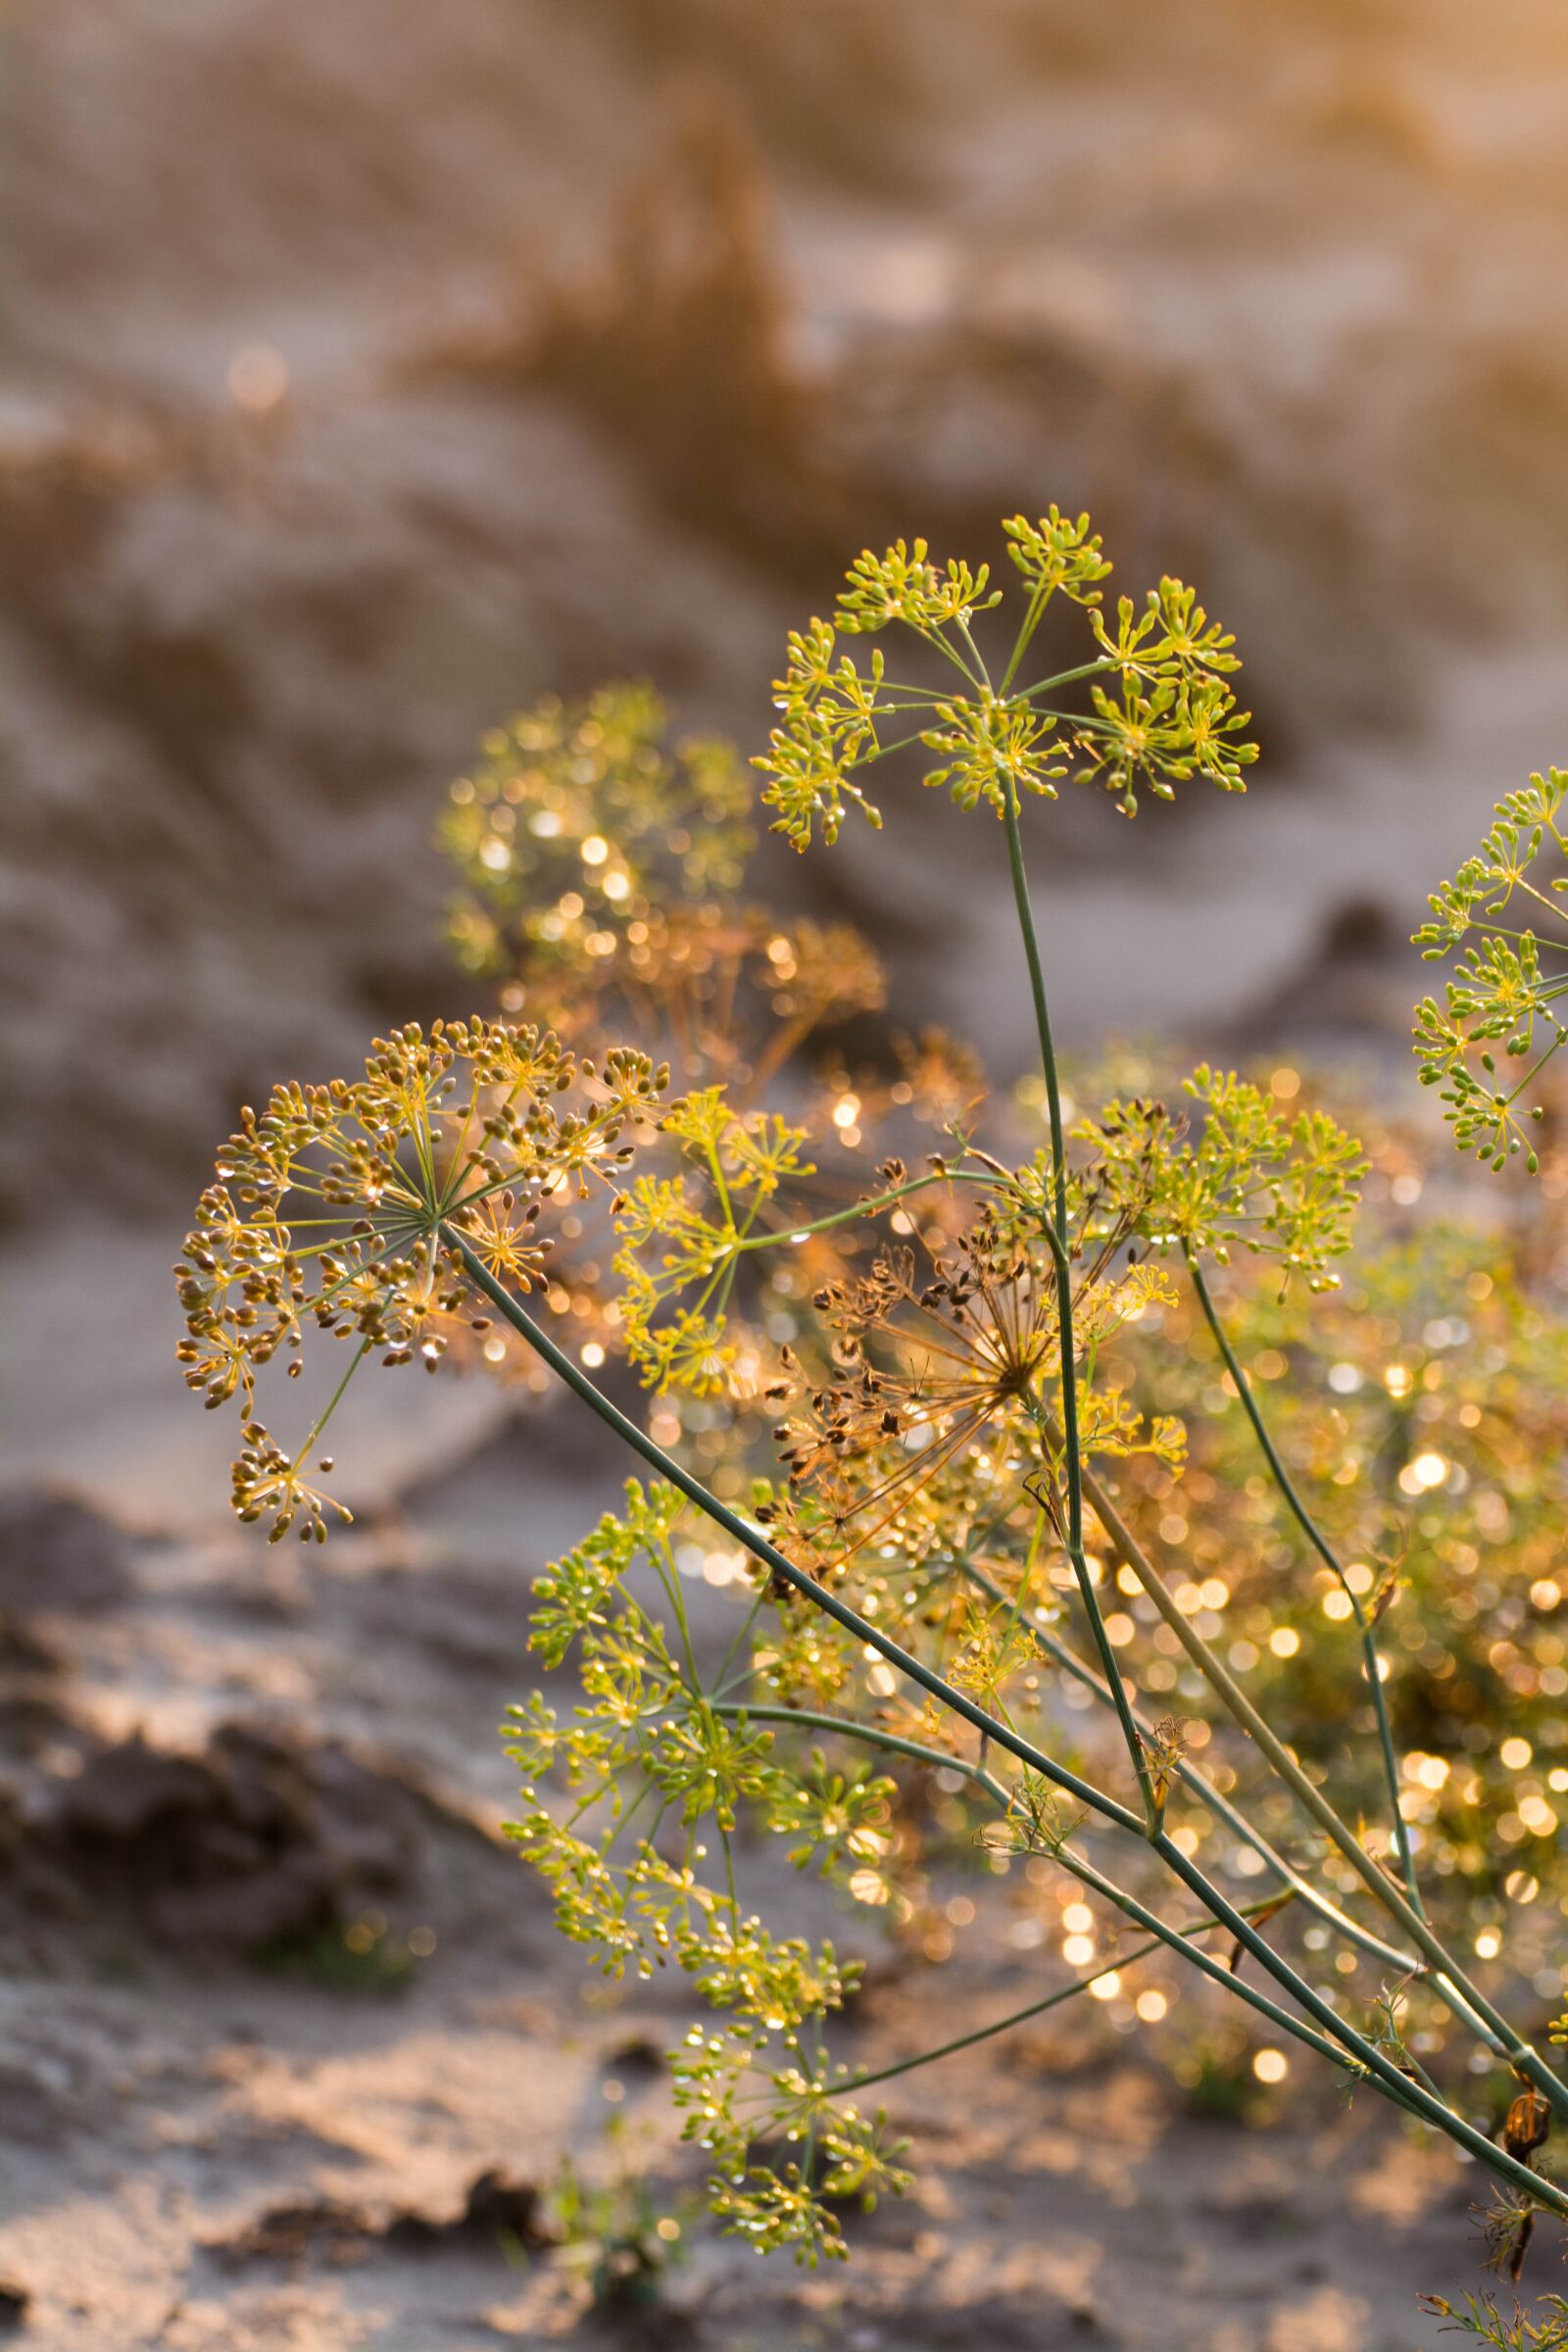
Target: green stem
[668, 1575]
[1535, 1068]
[1054, 2000]
[934, 636]
[741, 1635]
[1421, 2102]
[331, 1406]
[885, 751]
[1315, 1536]
[1071, 1451]
[1204, 1789]
[1356, 2052]
[1005, 1737]
[1229, 1978]
[860, 1209]
[761, 1547]
[1177, 1938]
[983, 676]
[1065, 677]
[722, 1187]
[1039, 599]
[809, 1718]
[1448, 1974]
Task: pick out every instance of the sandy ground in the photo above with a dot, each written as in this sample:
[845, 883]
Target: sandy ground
[205, 2148]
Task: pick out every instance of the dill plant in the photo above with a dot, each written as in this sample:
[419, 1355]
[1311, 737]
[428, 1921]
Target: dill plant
[1504, 922]
[930, 1399]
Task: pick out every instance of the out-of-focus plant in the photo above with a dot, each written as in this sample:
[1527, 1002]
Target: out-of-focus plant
[599, 875]
[1083, 1434]
[608, 2229]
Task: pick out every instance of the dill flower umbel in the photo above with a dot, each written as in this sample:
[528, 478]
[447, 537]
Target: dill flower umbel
[340, 1207]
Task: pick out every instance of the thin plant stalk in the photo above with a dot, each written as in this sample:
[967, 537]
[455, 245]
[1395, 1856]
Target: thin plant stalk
[1163, 1941]
[1364, 1623]
[1175, 1938]
[1203, 1788]
[762, 1548]
[1408, 1912]
[1447, 1972]
[1373, 2061]
[874, 1734]
[1071, 1451]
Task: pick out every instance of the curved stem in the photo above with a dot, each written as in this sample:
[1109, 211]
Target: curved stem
[1165, 1939]
[1002, 1735]
[1448, 1974]
[1432, 2110]
[739, 1710]
[1347, 2048]
[1319, 1543]
[1071, 1451]
[859, 1208]
[1217, 1971]
[761, 1547]
[1204, 1789]
[1077, 1867]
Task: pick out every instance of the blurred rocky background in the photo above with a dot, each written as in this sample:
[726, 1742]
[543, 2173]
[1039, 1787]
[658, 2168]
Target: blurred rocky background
[370, 367]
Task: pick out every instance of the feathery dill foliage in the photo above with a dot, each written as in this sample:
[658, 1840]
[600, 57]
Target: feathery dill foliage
[958, 1432]
[1504, 921]
[1514, 2331]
